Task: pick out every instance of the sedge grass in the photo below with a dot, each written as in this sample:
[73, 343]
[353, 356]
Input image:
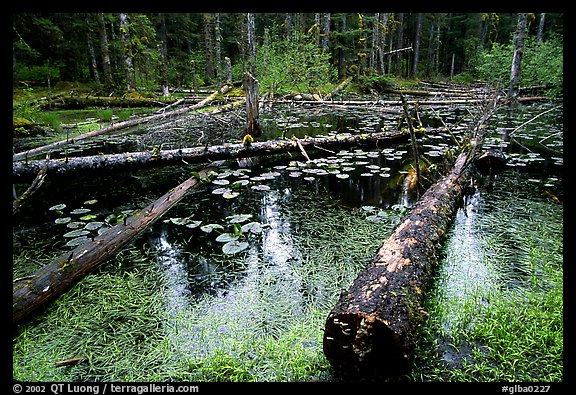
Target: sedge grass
[117, 317]
[511, 325]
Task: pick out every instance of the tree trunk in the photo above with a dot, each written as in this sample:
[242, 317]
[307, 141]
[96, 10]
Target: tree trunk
[100, 164]
[417, 40]
[50, 281]
[104, 49]
[517, 59]
[218, 35]
[163, 56]
[371, 330]
[252, 127]
[127, 52]
[91, 53]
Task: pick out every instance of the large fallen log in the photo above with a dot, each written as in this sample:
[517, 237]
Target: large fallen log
[120, 125]
[35, 291]
[371, 330]
[22, 172]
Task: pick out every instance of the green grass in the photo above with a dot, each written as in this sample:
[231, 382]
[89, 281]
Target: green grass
[508, 327]
[117, 317]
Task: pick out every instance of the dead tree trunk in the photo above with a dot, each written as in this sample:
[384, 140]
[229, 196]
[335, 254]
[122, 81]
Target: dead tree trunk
[252, 112]
[50, 281]
[371, 330]
[102, 164]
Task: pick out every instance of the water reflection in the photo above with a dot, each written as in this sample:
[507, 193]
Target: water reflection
[263, 299]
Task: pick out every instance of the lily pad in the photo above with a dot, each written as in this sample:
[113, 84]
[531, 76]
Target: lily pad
[75, 224]
[220, 191]
[76, 233]
[94, 225]
[254, 227]
[80, 211]
[63, 220]
[77, 241]
[210, 227]
[58, 207]
[193, 224]
[238, 218]
[229, 194]
[240, 183]
[226, 237]
[260, 187]
[233, 247]
[220, 181]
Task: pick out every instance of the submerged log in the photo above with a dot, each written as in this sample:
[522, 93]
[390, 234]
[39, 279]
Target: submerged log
[100, 164]
[33, 292]
[371, 330]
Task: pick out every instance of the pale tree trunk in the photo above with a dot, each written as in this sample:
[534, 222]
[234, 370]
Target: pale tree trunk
[483, 29]
[317, 29]
[193, 70]
[251, 42]
[252, 112]
[361, 46]
[288, 22]
[399, 43]
[375, 42]
[228, 64]
[104, 49]
[209, 45]
[164, 56]
[326, 36]
[383, 32]
[91, 52]
[517, 59]
[218, 34]
[541, 27]
[127, 52]
[417, 40]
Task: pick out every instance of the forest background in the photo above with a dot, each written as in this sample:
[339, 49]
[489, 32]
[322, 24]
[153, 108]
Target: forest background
[146, 53]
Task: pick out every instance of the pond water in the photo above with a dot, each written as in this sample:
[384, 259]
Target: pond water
[297, 233]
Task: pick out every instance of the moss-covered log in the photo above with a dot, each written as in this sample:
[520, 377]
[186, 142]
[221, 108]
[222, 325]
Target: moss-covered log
[75, 102]
[23, 172]
[35, 291]
[371, 330]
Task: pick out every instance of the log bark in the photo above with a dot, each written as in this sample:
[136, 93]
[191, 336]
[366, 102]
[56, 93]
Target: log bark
[120, 125]
[371, 330]
[33, 292]
[101, 164]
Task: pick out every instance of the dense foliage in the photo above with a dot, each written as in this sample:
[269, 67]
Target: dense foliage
[299, 51]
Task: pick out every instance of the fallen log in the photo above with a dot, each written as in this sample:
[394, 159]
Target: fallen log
[101, 164]
[35, 291]
[120, 125]
[338, 88]
[371, 330]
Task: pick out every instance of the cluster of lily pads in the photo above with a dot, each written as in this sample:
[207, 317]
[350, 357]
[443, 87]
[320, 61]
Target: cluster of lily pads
[83, 224]
[234, 234]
